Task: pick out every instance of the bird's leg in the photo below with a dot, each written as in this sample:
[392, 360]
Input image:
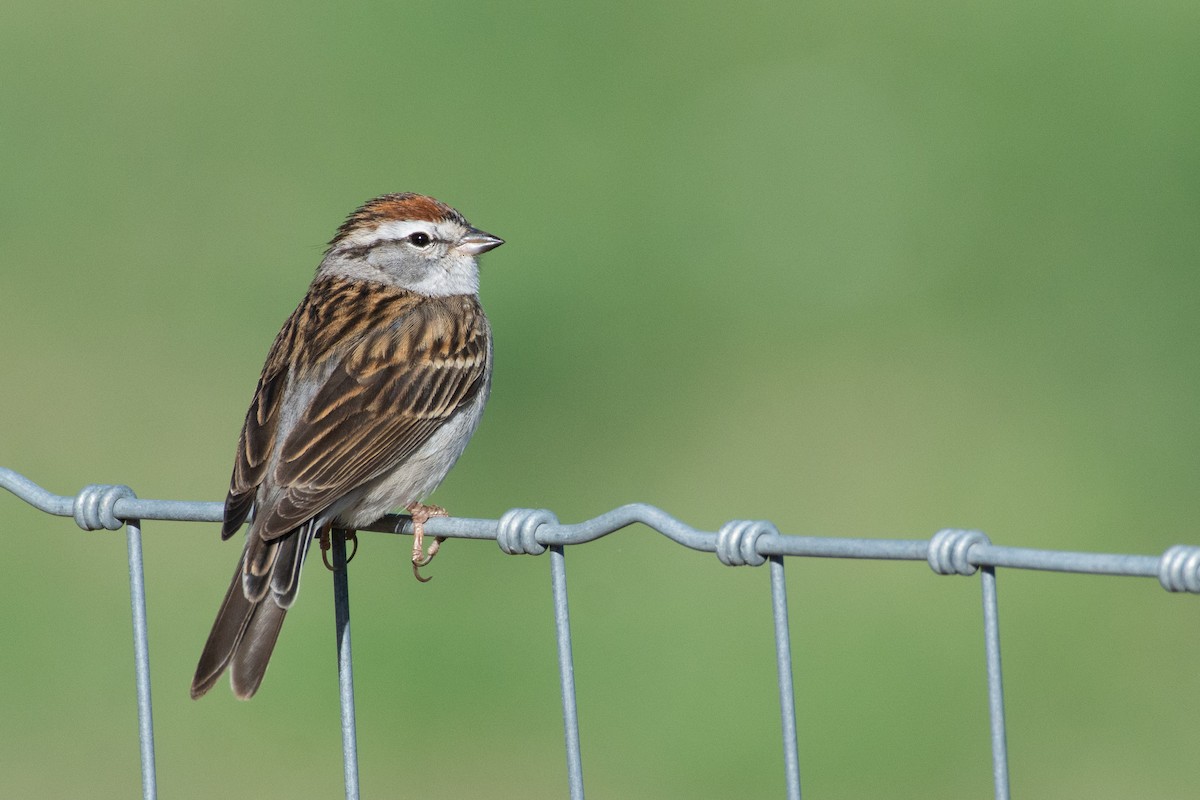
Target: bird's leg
[421, 514]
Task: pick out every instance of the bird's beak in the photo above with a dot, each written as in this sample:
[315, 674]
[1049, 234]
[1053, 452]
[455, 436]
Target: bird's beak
[477, 241]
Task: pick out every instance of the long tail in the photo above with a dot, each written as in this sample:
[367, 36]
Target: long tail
[247, 626]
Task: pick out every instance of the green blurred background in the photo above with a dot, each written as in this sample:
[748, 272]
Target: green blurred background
[865, 269]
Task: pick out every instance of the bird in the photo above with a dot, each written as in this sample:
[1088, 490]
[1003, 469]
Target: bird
[368, 396]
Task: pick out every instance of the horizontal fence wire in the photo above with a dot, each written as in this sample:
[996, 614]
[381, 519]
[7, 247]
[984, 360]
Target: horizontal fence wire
[536, 531]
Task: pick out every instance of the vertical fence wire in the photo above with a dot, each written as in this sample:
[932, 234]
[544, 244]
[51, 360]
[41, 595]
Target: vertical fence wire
[341, 613]
[783, 662]
[566, 671]
[995, 681]
[141, 658]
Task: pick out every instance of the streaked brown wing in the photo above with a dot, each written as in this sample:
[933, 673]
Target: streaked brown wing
[384, 400]
[334, 310]
[257, 439]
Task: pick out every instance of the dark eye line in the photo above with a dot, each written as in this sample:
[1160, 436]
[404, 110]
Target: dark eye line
[419, 239]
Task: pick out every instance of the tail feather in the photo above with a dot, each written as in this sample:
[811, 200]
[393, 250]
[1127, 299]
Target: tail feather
[252, 613]
[227, 630]
[285, 581]
[253, 652]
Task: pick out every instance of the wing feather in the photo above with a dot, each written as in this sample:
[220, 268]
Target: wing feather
[402, 379]
[257, 440]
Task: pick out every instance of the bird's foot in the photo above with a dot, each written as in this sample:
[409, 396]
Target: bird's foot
[325, 540]
[421, 514]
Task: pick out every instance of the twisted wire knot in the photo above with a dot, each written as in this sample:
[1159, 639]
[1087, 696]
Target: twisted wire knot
[737, 542]
[93, 507]
[948, 550]
[517, 533]
[1179, 569]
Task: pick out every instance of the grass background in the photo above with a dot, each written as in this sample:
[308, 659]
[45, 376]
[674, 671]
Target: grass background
[862, 269]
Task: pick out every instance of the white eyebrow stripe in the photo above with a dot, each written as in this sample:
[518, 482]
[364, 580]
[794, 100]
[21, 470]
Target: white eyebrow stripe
[397, 229]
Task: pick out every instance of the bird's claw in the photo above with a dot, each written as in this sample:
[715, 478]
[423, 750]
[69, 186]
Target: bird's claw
[324, 538]
[421, 514]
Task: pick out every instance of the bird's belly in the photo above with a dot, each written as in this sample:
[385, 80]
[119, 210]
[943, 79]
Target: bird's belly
[416, 476]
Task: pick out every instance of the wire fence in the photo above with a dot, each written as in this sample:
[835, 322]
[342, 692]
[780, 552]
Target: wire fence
[538, 531]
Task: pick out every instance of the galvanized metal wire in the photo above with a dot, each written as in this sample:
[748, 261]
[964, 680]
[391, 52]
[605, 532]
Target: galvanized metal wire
[536, 531]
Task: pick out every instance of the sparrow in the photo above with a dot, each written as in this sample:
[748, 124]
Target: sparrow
[367, 398]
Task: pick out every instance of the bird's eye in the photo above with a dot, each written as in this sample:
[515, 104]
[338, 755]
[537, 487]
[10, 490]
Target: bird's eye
[419, 239]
